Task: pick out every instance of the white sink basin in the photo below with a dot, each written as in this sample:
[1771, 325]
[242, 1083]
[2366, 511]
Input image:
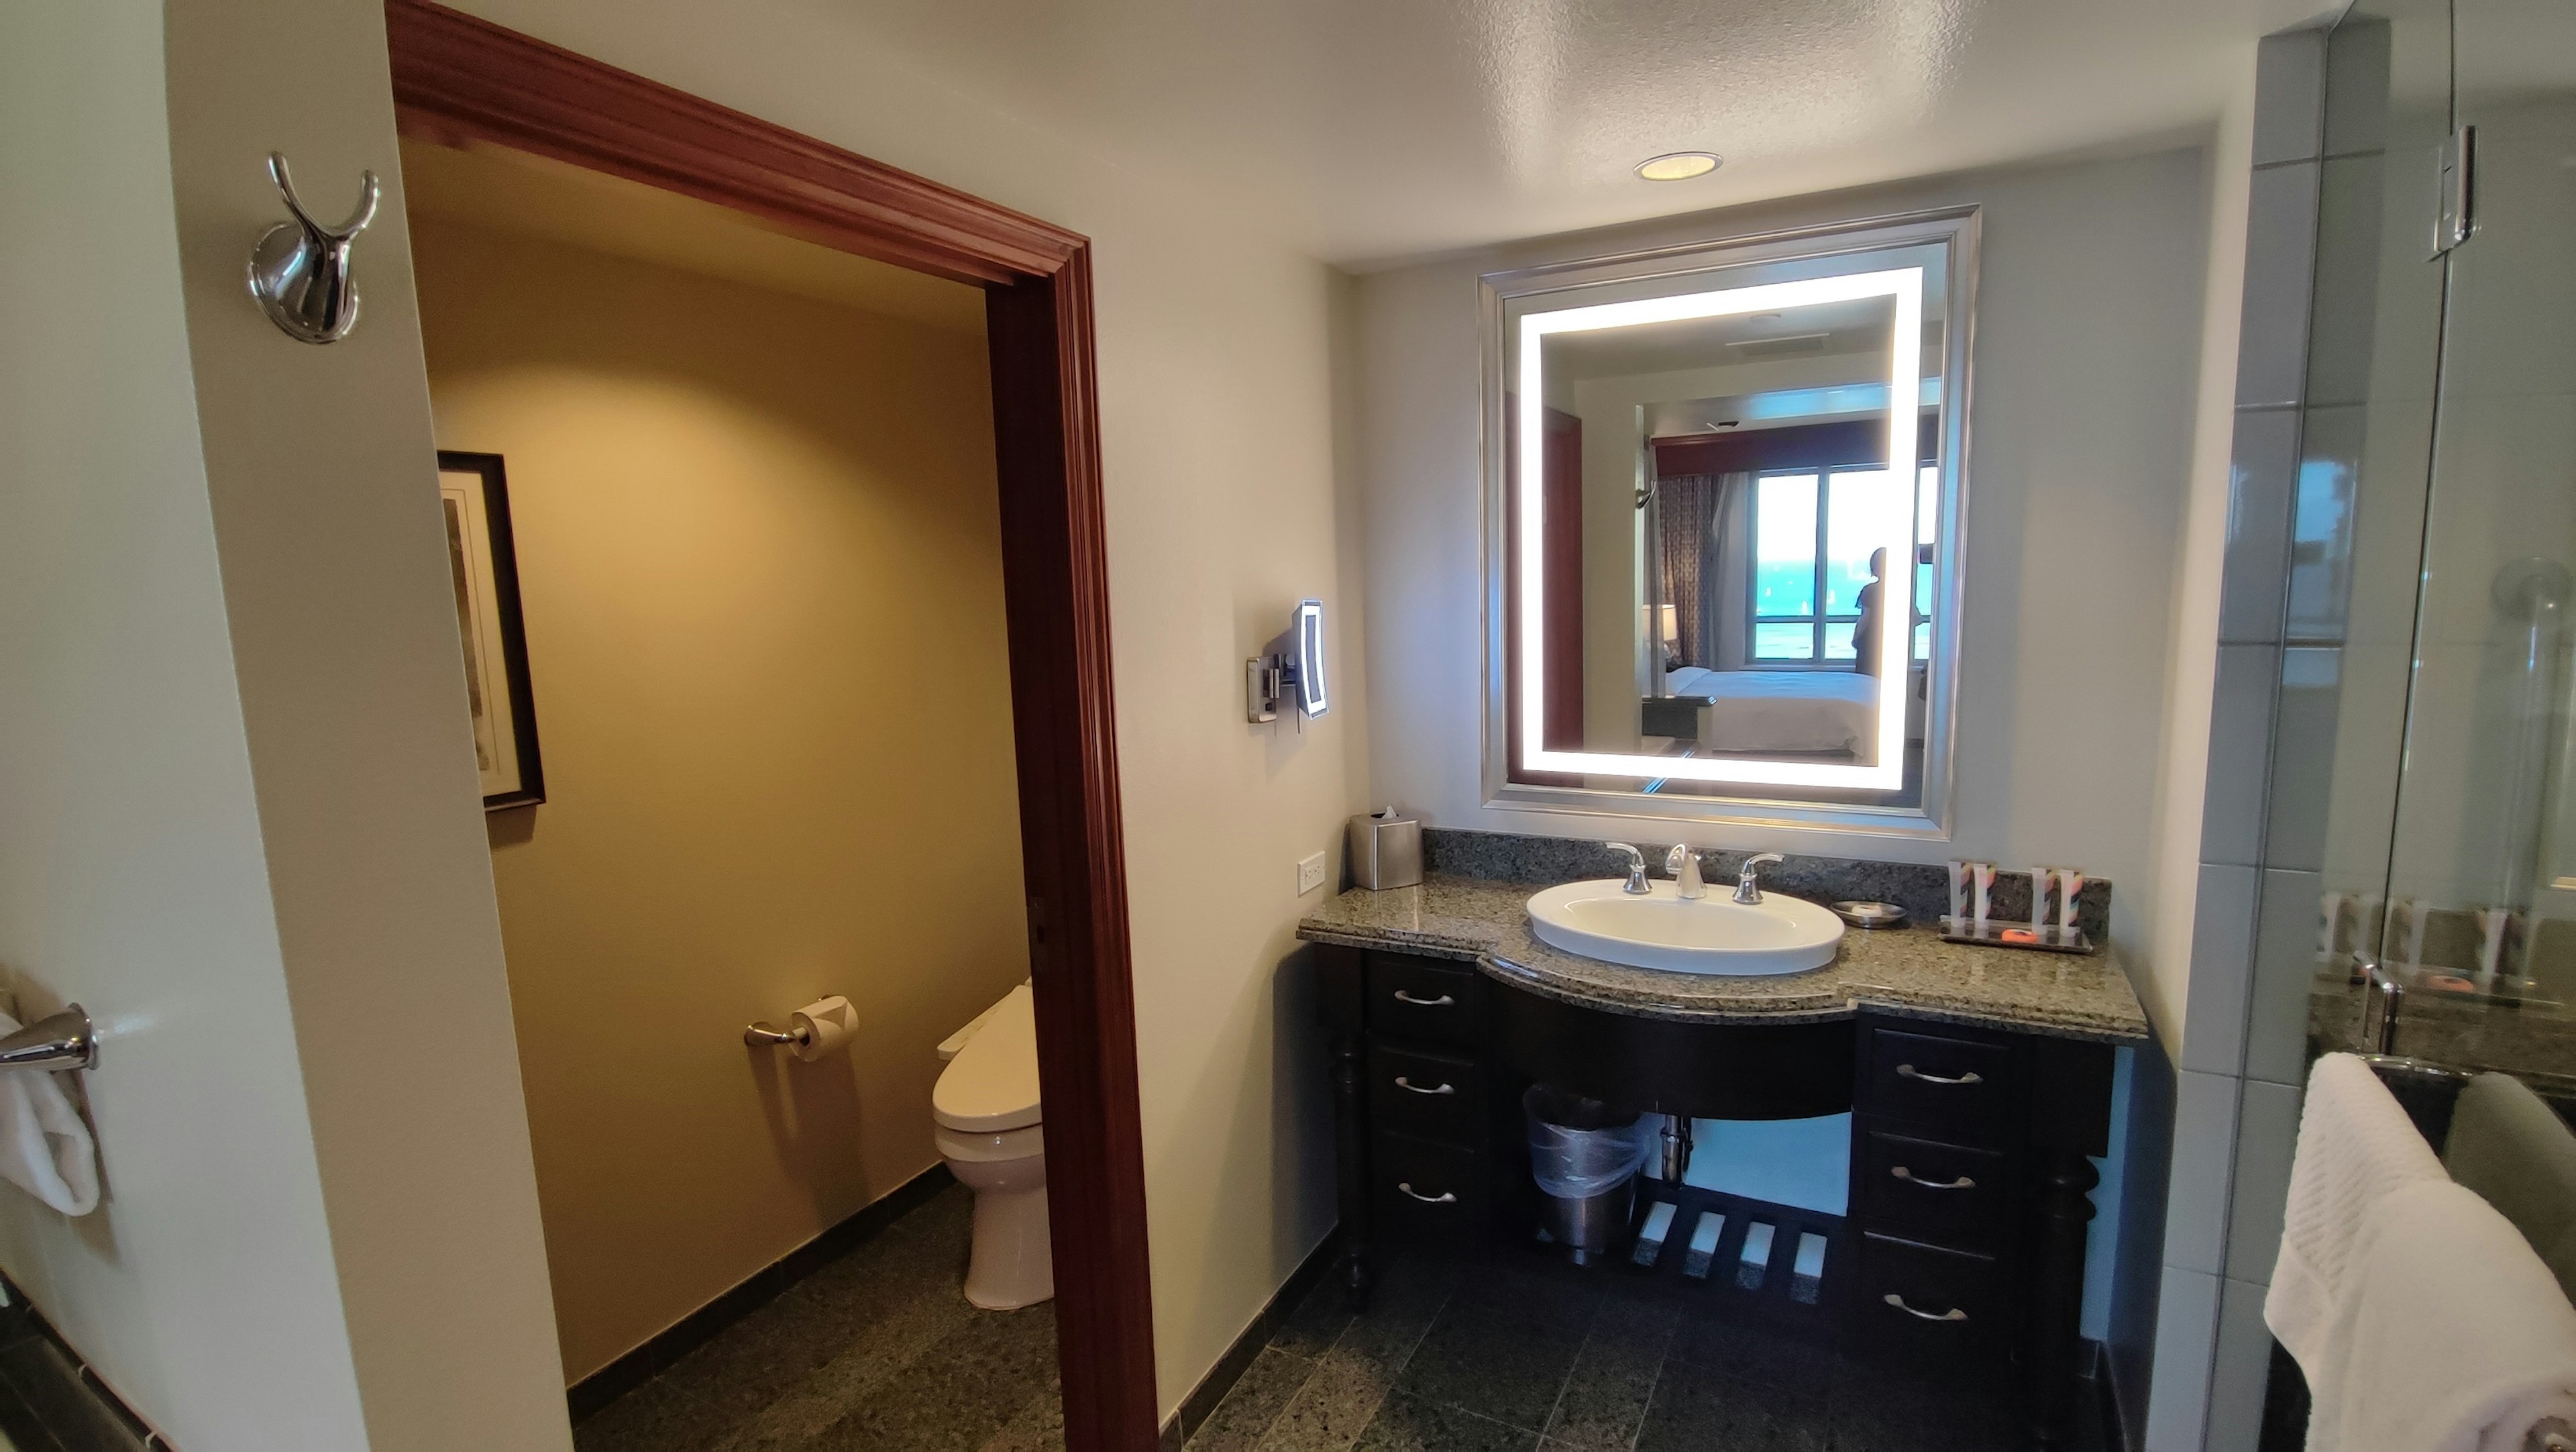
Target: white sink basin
[1713, 934]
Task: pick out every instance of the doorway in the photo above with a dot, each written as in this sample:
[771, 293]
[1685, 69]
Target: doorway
[458, 80]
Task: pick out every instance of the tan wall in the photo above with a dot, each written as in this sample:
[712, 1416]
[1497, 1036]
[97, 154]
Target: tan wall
[760, 564]
[1228, 458]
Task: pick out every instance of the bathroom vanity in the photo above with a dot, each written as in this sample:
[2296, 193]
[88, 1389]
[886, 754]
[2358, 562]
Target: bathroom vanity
[1979, 1082]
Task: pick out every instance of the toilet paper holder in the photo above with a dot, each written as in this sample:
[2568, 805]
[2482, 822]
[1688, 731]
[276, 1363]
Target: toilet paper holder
[817, 1029]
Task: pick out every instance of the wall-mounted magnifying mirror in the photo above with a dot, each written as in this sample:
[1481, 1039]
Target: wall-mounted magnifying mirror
[1725, 493]
[1308, 664]
[1292, 666]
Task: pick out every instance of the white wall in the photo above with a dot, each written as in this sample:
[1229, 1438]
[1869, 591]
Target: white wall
[120, 714]
[238, 817]
[2081, 433]
[2163, 952]
[1614, 587]
[1216, 410]
[320, 470]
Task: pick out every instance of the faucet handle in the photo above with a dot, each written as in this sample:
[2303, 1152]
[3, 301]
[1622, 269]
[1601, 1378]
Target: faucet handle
[1748, 876]
[1636, 868]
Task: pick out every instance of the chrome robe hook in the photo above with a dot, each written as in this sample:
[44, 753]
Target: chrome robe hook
[299, 272]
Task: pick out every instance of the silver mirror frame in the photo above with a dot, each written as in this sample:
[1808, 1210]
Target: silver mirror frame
[1929, 820]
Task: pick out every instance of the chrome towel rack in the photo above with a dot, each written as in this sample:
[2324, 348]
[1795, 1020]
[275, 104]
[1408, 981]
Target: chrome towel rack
[64, 1040]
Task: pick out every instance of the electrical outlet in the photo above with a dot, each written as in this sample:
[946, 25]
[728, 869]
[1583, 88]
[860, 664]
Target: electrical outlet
[1310, 873]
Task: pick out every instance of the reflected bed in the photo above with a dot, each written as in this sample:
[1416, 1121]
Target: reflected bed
[1802, 711]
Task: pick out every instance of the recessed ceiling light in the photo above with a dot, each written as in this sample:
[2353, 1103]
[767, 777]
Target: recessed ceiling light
[1679, 165]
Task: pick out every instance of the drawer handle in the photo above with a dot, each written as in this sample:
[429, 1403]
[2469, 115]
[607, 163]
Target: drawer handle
[1953, 1314]
[1443, 1001]
[1908, 1176]
[1402, 1082]
[1445, 1197]
[1910, 1072]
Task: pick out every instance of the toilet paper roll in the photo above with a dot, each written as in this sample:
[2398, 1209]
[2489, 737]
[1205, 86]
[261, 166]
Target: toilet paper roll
[823, 1026]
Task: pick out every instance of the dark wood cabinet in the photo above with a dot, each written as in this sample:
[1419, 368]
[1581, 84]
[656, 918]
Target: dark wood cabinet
[1971, 1165]
[1426, 1093]
[1424, 999]
[1949, 1194]
[1425, 1118]
[1967, 1087]
[1937, 1139]
[1962, 1250]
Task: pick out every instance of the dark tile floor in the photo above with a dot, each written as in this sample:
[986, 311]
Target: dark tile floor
[878, 1350]
[1521, 1356]
[45, 1405]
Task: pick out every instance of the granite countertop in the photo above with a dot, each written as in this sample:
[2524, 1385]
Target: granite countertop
[1908, 971]
[2536, 1043]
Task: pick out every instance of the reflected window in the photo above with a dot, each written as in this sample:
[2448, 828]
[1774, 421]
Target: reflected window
[1785, 573]
[1814, 536]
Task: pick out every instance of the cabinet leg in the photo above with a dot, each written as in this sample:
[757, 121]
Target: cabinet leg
[2051, 1358]
[1350, 1144]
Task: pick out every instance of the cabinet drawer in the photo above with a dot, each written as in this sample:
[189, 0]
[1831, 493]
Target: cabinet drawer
[1926, 1305]
[1960, 1086]
[1934, 1191]
[1422, 998]
[1427, 1192]
[1432, 1096]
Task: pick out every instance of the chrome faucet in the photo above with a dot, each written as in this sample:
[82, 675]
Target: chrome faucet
[1748, 878]
[1637, 886]
[1682, 866]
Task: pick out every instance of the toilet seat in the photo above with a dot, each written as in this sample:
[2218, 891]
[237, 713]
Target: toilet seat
[992, 1084]
[987, 1149]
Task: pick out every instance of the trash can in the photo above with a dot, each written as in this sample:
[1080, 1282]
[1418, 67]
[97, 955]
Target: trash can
[1585, 1156]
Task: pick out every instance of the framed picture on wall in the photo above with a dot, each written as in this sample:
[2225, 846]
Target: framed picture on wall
[475, 497]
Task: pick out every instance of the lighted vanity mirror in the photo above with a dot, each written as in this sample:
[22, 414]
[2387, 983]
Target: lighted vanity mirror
[1725, 493]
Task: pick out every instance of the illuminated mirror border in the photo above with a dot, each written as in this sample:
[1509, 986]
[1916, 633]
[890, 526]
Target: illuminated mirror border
[1904, 370]
[1689, 282]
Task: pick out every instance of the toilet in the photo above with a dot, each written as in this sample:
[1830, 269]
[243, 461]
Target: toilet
[984, 1118]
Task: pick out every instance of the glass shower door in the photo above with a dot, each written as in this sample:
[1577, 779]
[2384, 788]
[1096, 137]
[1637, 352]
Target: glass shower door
[2479, 925]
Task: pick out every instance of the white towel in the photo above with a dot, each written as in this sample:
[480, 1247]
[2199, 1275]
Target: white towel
[2453, 1335]
[45, 1150]
[2355, 1146]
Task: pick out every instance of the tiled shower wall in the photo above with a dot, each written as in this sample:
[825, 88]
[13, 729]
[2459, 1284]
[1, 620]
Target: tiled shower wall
[2237, 1089]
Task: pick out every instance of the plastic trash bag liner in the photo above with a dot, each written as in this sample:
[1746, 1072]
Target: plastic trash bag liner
[1582, 1147]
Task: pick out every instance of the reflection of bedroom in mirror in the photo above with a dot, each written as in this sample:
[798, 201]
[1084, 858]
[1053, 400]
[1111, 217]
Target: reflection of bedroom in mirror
[1729, 588]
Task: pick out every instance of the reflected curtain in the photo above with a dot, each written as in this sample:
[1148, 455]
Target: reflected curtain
[1698, 517]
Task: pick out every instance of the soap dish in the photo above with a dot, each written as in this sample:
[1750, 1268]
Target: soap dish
[1871, 914]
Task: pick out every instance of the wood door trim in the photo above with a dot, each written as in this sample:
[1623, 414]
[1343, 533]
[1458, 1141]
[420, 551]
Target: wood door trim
[455, 78]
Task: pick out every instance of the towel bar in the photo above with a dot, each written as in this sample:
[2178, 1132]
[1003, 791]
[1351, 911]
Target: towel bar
[2391, 996]
[63, 1040]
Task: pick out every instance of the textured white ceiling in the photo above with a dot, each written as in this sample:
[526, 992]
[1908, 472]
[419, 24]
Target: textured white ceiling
[1374, 129]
